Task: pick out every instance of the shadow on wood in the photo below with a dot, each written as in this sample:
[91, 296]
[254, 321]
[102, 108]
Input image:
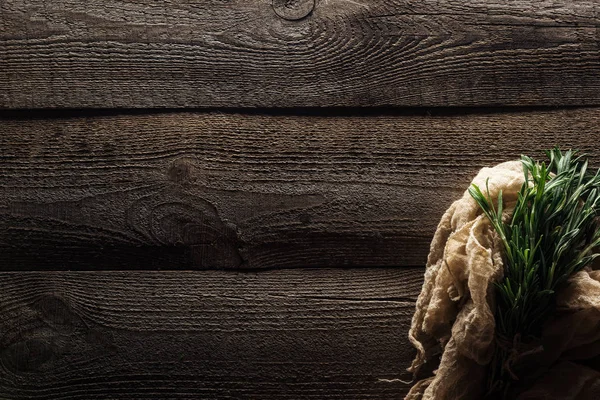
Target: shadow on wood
[209, 334]
[214, 190]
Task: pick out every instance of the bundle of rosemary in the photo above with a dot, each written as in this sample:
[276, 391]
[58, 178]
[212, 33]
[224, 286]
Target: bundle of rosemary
[552, 233]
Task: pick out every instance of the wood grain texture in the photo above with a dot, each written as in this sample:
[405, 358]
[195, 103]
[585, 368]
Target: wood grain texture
[227, 190]
[247, 53]
[294, 334]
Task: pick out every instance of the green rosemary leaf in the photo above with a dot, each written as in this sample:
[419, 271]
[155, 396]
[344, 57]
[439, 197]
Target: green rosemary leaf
[553, 233]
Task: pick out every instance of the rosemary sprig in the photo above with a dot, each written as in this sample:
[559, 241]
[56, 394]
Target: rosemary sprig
[552, 234]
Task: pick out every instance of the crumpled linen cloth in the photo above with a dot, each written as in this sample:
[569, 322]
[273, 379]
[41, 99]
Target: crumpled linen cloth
[454, 313]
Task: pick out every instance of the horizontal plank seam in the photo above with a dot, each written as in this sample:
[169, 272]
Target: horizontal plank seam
[227, 270]
[49, 113]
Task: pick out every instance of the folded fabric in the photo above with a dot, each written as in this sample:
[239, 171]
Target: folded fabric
[454, 317]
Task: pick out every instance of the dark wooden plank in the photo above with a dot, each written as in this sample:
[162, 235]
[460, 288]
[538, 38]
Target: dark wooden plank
[210, 190]
[294, 334]
[247, 53]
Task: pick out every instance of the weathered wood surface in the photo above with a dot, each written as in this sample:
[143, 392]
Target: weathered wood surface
[317, 333]
[246, 53]
[211, 190]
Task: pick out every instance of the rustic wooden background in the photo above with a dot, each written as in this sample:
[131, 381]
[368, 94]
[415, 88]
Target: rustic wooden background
[234, 199]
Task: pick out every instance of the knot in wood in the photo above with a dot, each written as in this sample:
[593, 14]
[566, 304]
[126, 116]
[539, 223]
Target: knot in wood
[181, 171]
[293, 10]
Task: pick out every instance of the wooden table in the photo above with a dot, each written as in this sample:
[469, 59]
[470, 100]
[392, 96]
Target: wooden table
[235, 199]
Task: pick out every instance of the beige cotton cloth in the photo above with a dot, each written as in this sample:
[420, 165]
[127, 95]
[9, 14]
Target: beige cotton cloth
[454, 312]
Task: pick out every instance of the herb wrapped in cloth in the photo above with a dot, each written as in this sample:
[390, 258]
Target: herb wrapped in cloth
[511, 303]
